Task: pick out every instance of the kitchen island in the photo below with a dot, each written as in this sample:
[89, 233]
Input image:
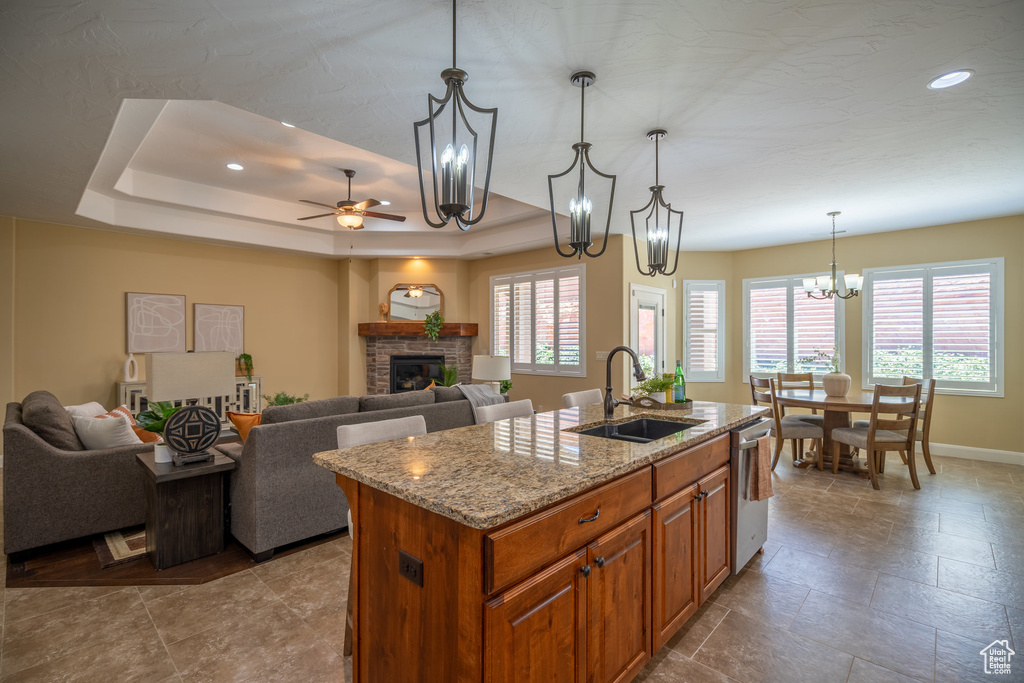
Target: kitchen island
[524, 550]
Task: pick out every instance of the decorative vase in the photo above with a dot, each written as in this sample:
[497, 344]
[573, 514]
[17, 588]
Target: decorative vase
[162, 453]
[836, 384]
[131, 369]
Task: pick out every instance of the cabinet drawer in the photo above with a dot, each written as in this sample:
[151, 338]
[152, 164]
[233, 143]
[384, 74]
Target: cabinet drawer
[514, 552]
[682, 469]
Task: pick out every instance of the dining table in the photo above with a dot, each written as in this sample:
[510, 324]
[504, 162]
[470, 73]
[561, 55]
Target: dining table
[837, 411]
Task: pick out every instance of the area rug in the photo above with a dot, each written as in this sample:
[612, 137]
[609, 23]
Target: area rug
[119, 547]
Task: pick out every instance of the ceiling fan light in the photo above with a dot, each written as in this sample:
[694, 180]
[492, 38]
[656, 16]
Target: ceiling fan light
[350, 220]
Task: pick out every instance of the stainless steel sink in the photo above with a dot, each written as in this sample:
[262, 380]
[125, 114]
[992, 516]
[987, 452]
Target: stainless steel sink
[644, 430]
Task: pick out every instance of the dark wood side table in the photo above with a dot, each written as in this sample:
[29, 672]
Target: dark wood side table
[184, 509]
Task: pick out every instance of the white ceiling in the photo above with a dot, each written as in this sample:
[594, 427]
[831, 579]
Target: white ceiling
[123, 115]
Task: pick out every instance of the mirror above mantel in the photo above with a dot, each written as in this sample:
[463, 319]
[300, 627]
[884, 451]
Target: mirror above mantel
[412, 301]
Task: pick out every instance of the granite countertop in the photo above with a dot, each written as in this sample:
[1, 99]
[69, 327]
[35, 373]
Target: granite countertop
[485, 475]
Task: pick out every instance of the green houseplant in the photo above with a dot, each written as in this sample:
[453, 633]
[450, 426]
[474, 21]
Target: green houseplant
[282, 398]
[449, 375]
[432, 324]
[244, 365]
[656, 387]
[506, 386]
[154, 419]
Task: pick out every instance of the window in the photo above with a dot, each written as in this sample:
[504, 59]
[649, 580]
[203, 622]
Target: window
[783, 328]
[647, 329]
[941, 320]
[537, 319]
[704, 330]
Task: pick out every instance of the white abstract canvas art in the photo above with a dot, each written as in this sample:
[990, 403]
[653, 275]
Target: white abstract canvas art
[155, 322]
[219, 328]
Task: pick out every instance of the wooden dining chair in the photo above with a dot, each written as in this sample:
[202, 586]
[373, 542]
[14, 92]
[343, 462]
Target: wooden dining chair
[787, 428]
[353, 435]
[924, 424]
[800, 380]
[883, 433]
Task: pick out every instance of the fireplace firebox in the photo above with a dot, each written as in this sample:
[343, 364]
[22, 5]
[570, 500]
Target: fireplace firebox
[410, 373]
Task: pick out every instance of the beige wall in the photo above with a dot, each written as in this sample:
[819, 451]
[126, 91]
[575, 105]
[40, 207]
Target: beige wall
[606, 318]
[69, 316]
[6, 310]
[983, 422]
[354, 307]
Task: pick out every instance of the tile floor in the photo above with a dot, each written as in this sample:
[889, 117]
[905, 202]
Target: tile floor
[855, 585]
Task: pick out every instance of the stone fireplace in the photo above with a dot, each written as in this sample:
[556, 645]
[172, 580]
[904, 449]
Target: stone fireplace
[383, 340]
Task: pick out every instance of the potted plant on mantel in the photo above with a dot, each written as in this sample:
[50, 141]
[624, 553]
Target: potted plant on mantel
[835, 383]
[432, 325]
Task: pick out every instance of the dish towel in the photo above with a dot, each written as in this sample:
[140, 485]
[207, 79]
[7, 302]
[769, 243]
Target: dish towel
[761, 472]
[480, 395]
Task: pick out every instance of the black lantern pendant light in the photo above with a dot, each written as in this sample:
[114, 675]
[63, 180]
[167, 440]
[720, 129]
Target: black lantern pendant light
[658, 224]
[581, 206]
[454, 153]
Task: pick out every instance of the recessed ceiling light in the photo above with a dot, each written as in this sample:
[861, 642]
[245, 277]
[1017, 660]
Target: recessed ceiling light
[950, 79]
[288, 125]
[385, 203]
[235, 167]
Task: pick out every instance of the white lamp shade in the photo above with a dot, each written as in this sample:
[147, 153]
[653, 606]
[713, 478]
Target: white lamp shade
[181, 376]
[350, 220]
[853, 281]
[492, 368]
[809, 284]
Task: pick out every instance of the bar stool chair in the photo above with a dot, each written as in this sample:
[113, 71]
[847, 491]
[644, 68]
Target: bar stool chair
[350, 436]
[504, 411]
[582, 398]
[884, 434]
[787, 427]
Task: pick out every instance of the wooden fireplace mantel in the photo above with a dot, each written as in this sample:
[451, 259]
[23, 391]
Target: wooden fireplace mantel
[415, 329]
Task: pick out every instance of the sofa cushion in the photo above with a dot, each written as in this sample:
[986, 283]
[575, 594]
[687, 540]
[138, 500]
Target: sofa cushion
[445, 394]
[338, 405]
[101, 432]
[91, 409]
[406, 399]
[43, 414]
[122, 411]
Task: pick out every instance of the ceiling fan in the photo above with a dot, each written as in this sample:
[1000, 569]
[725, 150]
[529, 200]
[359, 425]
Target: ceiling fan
[348, 213]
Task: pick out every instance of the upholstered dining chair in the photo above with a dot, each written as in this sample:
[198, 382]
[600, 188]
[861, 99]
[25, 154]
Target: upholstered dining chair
[787, 427]
[582, 398]
[800, 380]
[884, 433]
[503, 411]
[924, 424]
[353, 435]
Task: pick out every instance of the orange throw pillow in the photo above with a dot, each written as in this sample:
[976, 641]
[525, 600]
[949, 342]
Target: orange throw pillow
[144, 435]
[244, 422]
[428, 388]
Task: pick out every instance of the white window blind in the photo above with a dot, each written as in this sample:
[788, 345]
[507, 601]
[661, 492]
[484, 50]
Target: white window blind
[704, 330]
[537, 319]
[941, 320]
[782, 327]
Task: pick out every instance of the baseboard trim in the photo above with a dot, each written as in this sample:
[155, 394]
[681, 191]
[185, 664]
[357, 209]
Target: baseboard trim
[986, 454]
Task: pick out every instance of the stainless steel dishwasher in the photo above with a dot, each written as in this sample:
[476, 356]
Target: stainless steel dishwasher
[749, 519]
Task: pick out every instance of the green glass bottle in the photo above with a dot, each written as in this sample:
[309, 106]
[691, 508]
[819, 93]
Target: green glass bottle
[679, 385]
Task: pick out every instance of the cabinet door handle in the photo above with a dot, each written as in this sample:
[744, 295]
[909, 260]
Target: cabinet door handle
[584, 520]
[703, 495]
[585, 570]
[698, 496]
[599, 562]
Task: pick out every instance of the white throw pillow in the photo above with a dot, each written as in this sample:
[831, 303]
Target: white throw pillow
[96, 433]
[91, 409]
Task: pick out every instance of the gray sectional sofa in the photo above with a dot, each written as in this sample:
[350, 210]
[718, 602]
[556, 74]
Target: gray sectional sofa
[279, 496]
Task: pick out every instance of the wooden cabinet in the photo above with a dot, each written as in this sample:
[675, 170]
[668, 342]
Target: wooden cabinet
[676, 593]
[619, 602]
[536, 631]
[691, 551]
[714, 531]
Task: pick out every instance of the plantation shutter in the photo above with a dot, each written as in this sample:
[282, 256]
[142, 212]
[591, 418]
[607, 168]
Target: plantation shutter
[544, 320]
[522, 301]
[897, 336]
[569, 342]
[703, 330]
[814, 329]
[501, 318]
[768, 328]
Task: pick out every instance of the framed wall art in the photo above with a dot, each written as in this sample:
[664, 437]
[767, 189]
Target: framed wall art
[217, 327]
[155, 322]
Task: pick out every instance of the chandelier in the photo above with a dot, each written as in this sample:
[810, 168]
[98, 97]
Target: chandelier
[581, 206]
[657, 224]
[453, 169]
[827, 286]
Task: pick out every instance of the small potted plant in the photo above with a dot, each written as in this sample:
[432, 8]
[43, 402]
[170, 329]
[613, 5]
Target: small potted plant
[656, 387]
[506, 386]
[154, 419]
[243, 366]
[835, 383]
[432, 325]
[282, 398]
[449, 375]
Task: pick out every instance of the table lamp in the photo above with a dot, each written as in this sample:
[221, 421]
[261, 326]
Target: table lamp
[492, 370]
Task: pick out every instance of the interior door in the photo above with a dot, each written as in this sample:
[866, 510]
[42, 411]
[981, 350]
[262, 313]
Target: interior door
[619, 602]
[536, 631]
[714, 531]
[675, 589]
[647, 328]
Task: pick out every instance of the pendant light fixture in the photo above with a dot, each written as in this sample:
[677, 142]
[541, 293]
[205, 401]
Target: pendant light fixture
[658, 223]
[581, 202]
[827, 286]
[454, 153]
